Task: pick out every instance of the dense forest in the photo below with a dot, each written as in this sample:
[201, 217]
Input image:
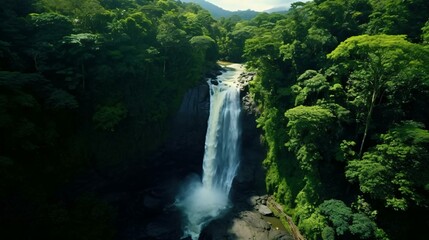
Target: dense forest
[341, 93]
[87, 85]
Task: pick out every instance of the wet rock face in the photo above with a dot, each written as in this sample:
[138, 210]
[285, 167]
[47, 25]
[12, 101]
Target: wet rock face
[190, 123]
[244, 80]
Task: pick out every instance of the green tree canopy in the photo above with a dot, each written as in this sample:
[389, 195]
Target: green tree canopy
[307, 127]
[395, 170]
[380, 64]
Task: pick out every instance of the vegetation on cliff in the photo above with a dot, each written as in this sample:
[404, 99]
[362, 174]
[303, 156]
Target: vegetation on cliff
[342, 88]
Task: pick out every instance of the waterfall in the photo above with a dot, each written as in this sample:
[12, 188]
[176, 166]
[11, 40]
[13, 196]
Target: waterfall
[203, 201]
[221, 148]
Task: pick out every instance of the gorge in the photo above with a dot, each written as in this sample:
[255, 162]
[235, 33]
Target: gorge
[105, 130]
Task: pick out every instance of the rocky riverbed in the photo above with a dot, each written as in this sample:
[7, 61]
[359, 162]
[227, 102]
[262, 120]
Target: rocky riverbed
[245, 221]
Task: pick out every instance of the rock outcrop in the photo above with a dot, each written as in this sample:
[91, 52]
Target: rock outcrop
[242, 224]
[190, 123]
[244, 80]
[264, 210]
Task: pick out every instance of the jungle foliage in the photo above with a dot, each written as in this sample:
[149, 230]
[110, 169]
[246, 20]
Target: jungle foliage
[87, 86]
[342, 89]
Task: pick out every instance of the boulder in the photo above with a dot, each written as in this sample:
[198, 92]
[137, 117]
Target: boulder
[213, 73]
[264, 210]
[214, 82]
[253, 200]
[254, 220]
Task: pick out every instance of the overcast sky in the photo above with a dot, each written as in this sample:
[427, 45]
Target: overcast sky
[258, 5]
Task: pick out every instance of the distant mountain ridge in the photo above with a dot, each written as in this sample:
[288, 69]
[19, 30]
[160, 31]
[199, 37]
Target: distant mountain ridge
[218, 12]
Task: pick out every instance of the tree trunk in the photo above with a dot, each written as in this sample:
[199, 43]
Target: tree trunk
[368, 121]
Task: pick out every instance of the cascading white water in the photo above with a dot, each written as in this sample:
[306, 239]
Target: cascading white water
[221, 156]
[203, 201]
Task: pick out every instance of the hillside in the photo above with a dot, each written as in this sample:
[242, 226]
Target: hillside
[218, 12]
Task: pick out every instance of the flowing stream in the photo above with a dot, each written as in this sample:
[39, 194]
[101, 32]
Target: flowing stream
[203, 201]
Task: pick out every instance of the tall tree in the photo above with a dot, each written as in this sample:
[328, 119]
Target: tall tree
[378, 65]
